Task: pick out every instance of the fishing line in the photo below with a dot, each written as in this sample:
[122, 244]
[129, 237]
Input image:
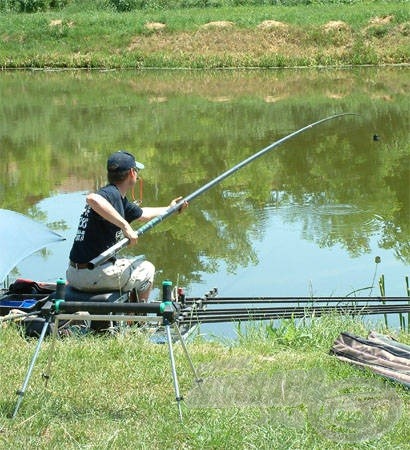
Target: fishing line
[140, 190]
[377, 260]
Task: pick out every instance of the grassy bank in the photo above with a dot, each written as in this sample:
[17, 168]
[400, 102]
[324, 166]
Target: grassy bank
[244, 36]
[117, 392]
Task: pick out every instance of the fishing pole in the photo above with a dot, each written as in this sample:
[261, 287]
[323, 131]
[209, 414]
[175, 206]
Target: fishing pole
[110, 252]
[298, 300]
[217, 316]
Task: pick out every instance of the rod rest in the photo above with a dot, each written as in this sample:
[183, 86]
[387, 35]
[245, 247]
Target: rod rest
[107, 308]
[167, 310]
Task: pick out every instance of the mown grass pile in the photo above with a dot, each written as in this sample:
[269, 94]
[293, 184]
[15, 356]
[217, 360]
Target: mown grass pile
[283, 34]
[262, 390]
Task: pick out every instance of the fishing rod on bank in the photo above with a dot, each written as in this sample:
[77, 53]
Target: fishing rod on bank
[224, 316]
[110, 252]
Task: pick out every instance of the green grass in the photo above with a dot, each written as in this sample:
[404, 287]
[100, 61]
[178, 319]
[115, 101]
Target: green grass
[117, 392]
[103, 38]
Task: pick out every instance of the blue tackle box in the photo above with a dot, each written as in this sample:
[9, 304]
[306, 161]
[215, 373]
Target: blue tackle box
[25, 303]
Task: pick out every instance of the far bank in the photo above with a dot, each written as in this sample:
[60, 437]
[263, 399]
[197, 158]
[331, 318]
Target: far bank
[242, 37]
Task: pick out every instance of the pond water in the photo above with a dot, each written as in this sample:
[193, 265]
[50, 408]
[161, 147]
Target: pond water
[308, 218]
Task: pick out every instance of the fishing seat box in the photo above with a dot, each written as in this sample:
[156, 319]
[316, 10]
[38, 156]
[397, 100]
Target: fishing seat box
[74, 295]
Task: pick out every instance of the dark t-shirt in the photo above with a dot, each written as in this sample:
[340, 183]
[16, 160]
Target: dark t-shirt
[94, 233]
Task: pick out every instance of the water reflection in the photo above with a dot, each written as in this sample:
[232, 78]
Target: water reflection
[331, 196]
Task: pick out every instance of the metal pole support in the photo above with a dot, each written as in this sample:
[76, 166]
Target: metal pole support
[167, 315]
[22, 391]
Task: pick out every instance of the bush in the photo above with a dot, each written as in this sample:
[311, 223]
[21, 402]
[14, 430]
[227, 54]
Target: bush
[131, 5]
[31, 6]
[126, 5]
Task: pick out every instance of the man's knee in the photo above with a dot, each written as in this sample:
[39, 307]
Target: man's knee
[149, 270]
[142, 278]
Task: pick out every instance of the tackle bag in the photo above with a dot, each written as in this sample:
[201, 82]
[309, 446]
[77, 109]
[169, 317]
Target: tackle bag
[379, 353]
[24, 286]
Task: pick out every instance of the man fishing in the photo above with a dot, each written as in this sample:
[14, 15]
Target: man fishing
[104, 221]
[108, 206]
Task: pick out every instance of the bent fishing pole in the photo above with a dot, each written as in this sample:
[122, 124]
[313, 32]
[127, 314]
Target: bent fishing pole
[110, 252]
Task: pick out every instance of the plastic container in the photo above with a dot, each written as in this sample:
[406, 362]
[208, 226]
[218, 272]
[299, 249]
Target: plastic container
[20, 302]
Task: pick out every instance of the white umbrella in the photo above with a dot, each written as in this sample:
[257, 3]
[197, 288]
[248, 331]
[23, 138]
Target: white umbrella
[21, 237]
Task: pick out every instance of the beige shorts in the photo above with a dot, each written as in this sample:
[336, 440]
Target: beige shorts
[123, 275]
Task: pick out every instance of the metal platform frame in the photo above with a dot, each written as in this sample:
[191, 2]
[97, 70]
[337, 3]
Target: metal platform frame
[56, 318]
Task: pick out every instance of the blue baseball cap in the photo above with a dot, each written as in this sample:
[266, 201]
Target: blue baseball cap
[121, 161]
